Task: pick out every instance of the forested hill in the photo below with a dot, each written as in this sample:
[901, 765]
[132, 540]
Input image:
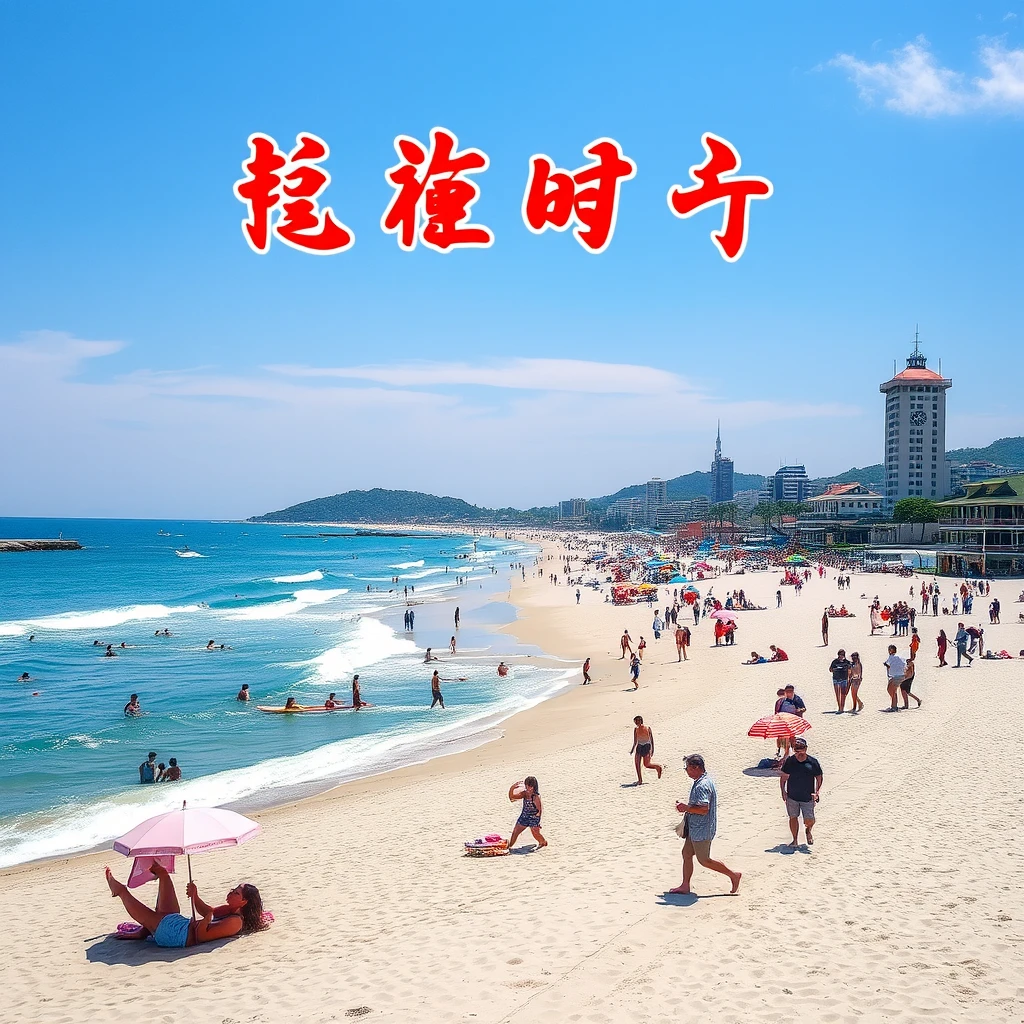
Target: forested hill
[384, 506]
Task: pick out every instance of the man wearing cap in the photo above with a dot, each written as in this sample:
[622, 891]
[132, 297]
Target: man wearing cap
[800, 781]
[697, 829]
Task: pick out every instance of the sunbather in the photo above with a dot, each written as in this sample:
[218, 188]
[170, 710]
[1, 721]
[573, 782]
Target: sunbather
[241, 913]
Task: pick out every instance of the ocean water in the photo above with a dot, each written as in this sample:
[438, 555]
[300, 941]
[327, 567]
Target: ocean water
[293, 609]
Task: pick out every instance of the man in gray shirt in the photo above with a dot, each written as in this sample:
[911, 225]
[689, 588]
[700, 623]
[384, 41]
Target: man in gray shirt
[699, 825]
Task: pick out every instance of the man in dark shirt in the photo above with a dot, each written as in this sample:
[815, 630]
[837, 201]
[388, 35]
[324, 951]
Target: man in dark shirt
[800, 782]
[840, 669]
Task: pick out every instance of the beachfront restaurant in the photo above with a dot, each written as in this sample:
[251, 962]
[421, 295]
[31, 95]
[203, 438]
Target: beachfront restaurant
[982, 533]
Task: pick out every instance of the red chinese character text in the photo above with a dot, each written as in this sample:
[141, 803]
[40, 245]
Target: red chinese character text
[432, 199]
[735, 191]
[554, 196]
[291, 185]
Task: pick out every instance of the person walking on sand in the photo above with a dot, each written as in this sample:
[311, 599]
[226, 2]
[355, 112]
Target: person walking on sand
[451, 645]
[643, 748]
[907, 682]
[856, 677]
[640, 648]
[634, 672]
[895, 666]
[800, 780]
[961, 639]
[824, 627]
[682, 642]
[456, 616]
[942, 641]
[586, 672]
[625, 644]
[840, 669]
[778, 598]
[435, 690]
[698, 827]
[529, 817]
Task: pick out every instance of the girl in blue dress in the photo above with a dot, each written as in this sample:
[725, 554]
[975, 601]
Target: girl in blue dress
[529, 818]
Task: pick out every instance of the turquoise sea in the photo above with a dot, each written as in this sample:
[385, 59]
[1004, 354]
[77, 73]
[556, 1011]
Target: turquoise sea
[293, 609]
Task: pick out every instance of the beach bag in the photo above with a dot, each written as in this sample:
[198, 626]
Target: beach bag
[682, 829]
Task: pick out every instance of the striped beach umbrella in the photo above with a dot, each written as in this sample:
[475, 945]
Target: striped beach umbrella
[780, 726]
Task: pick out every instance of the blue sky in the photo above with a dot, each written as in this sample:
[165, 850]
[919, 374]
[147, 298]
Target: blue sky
[152, 364]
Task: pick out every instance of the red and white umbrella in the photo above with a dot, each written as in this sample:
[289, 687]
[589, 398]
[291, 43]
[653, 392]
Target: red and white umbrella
[780, 726]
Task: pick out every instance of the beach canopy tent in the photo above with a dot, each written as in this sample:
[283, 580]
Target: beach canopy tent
[796, 560]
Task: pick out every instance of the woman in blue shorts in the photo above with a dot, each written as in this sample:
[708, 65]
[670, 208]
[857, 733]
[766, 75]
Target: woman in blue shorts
[241, 913]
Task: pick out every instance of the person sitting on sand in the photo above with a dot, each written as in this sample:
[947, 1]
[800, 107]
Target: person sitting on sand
[529, 817]
[643, 748]
[778, 654]
[502, 669]
[240, 914]
[429, 656]
[243, 693]
[756, 659]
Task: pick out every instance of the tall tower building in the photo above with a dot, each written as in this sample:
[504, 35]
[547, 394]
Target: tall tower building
[656, 494]
[721, 473]
[915, 431]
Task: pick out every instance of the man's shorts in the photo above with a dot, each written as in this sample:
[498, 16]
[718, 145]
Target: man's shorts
[800, 808]
[700, 848]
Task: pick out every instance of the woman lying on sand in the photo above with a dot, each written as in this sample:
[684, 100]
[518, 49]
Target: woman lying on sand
[241, 913]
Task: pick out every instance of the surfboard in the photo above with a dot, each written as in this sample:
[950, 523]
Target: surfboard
[304, 709]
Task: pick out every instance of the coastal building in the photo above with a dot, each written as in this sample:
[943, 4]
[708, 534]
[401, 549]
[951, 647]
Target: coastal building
[790, 484]
[982, 533]
[747, 501]
[574, 508]
[656, 495]
[845, 501]
[721, 473]
[672, 513]
[699, 507]
[915, 431]
[975, 472]
[626, 513]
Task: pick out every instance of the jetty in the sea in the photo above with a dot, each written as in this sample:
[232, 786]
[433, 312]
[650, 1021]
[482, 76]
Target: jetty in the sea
[39, 545]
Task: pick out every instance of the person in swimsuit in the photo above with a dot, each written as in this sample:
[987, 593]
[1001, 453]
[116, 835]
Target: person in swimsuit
[625, 644]
[330, 703]
[856, 677]
[133, 709]
[640, 648]
[586, 672]
[907, 682]
[243, 693]
[357, 700]
[435, 689]
[451, 645]
[643, 748]
[290, 705]
[634, 672]
[240, 914]
[502, 669]
[529, 818]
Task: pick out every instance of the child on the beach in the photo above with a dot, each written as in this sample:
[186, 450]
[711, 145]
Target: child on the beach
[529, 817]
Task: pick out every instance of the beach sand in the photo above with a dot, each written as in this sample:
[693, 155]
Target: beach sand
[908, 908]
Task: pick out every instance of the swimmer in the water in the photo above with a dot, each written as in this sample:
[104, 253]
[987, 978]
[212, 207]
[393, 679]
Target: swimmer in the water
[243, 693]
[110, 652]
[133, 709]
[24, 677]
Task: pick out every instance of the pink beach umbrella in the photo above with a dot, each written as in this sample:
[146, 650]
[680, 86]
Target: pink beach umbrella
[724, 614]
[780, 726]
[182, 833]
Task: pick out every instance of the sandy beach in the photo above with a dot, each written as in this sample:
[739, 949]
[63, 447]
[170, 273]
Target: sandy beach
[908, 907]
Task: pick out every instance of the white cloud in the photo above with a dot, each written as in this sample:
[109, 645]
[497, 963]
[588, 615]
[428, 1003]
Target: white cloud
[575, 375]
[913, 82]
[200, 442]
